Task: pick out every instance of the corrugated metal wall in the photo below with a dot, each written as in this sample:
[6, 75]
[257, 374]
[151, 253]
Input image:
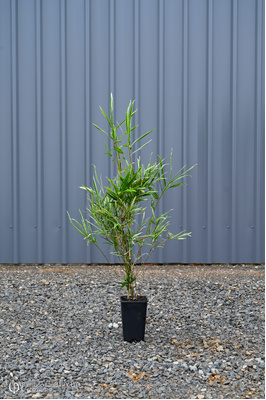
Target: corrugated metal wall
[196, 70]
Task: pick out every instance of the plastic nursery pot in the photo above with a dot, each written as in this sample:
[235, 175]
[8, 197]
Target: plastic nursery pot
[134, 318]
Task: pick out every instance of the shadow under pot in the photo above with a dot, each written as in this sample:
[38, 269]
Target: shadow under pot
[134, 318]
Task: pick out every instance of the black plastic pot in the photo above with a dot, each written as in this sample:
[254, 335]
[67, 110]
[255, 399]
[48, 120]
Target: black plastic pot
[134, 318]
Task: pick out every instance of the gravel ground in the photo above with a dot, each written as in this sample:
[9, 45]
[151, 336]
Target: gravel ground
[61, 333]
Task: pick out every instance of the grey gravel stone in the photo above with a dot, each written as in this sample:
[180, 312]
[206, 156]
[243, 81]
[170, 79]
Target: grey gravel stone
[204, 333]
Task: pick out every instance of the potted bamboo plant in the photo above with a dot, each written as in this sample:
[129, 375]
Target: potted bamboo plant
[125, 212]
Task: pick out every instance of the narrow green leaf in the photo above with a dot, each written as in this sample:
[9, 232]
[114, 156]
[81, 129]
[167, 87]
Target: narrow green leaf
[162, 171]
[95, 186]
[112, 110]
[100, 129]
[107, 119]
[118, 149]
[134, 127]
[112, 194]
[114, 135]
[142, 136]
[171, 164]
[121, 123]
[177, 184]
[141, 147]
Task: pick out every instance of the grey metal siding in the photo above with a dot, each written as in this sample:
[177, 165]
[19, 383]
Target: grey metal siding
[196, 71]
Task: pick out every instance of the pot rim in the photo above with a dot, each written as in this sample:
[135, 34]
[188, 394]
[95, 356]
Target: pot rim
[142, 299]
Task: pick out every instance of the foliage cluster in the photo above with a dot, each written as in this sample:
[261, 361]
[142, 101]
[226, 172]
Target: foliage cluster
[118, 212]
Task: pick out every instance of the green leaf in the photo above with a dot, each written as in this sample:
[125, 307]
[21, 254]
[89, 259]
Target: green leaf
[114, 135]
[100, 129]
[90, 190]
[121, 123]
[177, 184]
[112, 194]
[141, 147]
[95, 186]
[108, 150]
[118, 150]
[107, 119]
[111, 110]
[141, 137]
[162, 171]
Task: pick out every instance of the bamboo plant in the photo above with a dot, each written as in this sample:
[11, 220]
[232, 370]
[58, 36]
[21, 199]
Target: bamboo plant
[118, 213]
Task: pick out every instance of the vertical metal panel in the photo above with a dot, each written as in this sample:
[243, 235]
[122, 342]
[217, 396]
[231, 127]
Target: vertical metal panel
[197, 136]
[14, 132]
[7, 135]
[210, 129]
[222, 130]
[174, 67]
[75, 117]
[196, 71]
[234, 127]
[245, 138]
[184, 132]
[51, 136]
[260, 124]
[63, 127]
[87, 106]
[26, 129]
[161, 96]
[38, 127]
